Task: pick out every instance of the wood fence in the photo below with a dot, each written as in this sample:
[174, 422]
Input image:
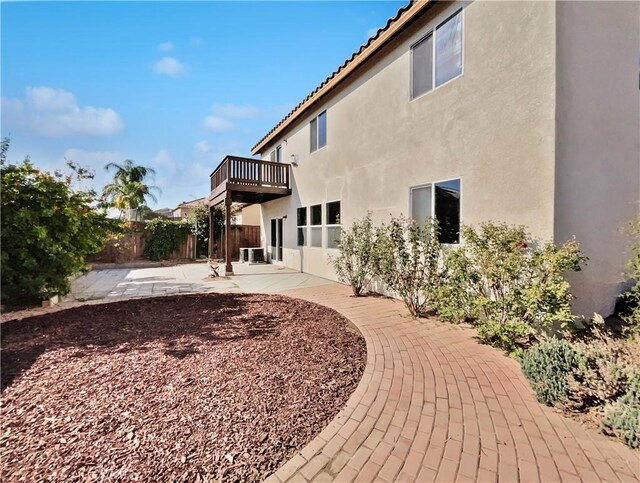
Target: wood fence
[131, 247]
[242, 236]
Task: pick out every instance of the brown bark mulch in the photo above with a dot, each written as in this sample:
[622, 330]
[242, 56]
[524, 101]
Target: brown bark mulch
[215, 387]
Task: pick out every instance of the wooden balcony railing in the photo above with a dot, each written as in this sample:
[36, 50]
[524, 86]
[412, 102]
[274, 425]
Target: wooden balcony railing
[249, 172]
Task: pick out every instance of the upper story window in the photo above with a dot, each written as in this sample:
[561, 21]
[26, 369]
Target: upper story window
[276, 154]
[445, 46]
[442, 202]
[318, 127]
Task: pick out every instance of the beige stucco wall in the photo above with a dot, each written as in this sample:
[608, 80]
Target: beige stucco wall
[251, 215]
[493, 127]
[598, 141]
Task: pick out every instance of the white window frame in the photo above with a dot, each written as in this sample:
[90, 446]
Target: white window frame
[304, 227]
[433, 32]
[275, 156]
[432, 185]
[317, 119]
[320, 226]
[327, 225]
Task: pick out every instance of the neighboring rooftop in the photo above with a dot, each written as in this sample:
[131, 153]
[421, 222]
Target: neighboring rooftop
[192, 203]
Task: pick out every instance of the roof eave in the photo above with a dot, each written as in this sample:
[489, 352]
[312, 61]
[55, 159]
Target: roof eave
[384, 35]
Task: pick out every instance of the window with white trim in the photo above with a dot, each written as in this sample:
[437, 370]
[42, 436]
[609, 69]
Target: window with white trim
[437, 57]
[318, 128]
[440, 201]
[302, 226]
[276, 154]
[334, 230]
[316, 225]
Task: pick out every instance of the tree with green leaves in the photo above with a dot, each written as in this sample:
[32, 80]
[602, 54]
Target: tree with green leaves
[47, 229]
[360, 255]
[198, 219]
[128, 190]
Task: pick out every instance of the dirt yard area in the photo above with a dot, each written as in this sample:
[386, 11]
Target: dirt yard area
[195, 387]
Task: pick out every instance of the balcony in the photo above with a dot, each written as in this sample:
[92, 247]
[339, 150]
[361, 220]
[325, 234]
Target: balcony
[248, 180]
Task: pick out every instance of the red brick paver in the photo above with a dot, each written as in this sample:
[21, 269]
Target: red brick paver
[434, 405]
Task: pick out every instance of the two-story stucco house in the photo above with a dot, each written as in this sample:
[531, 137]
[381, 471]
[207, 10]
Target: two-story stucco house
[521, 112]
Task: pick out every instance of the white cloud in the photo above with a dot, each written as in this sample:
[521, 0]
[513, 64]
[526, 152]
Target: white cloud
[202, 148]
[55, 112]
[210, 156]
[217, 124]
[170, 66]
[164, 162]
[180, 181]
[166, 47]
[223, 115]
[195, 41]
[234, 111]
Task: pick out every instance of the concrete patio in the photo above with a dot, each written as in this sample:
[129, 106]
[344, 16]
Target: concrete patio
[188, 278]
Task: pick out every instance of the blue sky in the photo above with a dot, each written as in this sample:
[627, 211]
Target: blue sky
[172, 85]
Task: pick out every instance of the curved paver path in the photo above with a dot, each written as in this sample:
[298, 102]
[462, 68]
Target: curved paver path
[434, 405]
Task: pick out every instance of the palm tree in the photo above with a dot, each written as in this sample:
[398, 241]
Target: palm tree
[128, 191]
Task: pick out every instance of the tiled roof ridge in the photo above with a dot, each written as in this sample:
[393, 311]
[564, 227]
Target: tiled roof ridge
[401, 11]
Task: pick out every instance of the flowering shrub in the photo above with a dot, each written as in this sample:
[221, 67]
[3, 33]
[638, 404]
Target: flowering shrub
[358, 260]
[47, 229]
[409, 262]
[512, 288]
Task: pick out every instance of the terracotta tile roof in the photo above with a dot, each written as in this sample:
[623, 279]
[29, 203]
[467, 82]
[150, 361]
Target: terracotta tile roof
[375, 43]
[186, 204]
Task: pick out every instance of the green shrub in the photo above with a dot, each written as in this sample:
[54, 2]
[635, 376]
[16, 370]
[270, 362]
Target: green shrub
[358, 259]
[511, 335]
[409, 262]
[47, 229]
[165, 237]
[594, 373]
[601, 375]
[622, 417]
[547, 365]
[632, 297]
[454, 301]
[198, 221]
[513, 289]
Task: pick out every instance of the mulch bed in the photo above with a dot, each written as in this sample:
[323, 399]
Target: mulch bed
[215, 387]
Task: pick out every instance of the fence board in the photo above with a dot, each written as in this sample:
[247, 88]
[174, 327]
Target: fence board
[131, 247]
[242, 236]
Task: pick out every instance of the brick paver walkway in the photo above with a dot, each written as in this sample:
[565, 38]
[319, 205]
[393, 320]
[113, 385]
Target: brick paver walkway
[434, 405]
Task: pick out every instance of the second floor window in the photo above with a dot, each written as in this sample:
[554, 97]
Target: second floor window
[318, 127]
[445, 46]
[276, 155]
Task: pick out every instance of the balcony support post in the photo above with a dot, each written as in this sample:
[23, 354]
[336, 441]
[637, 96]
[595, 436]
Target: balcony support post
[210, 247]
[227, 235]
